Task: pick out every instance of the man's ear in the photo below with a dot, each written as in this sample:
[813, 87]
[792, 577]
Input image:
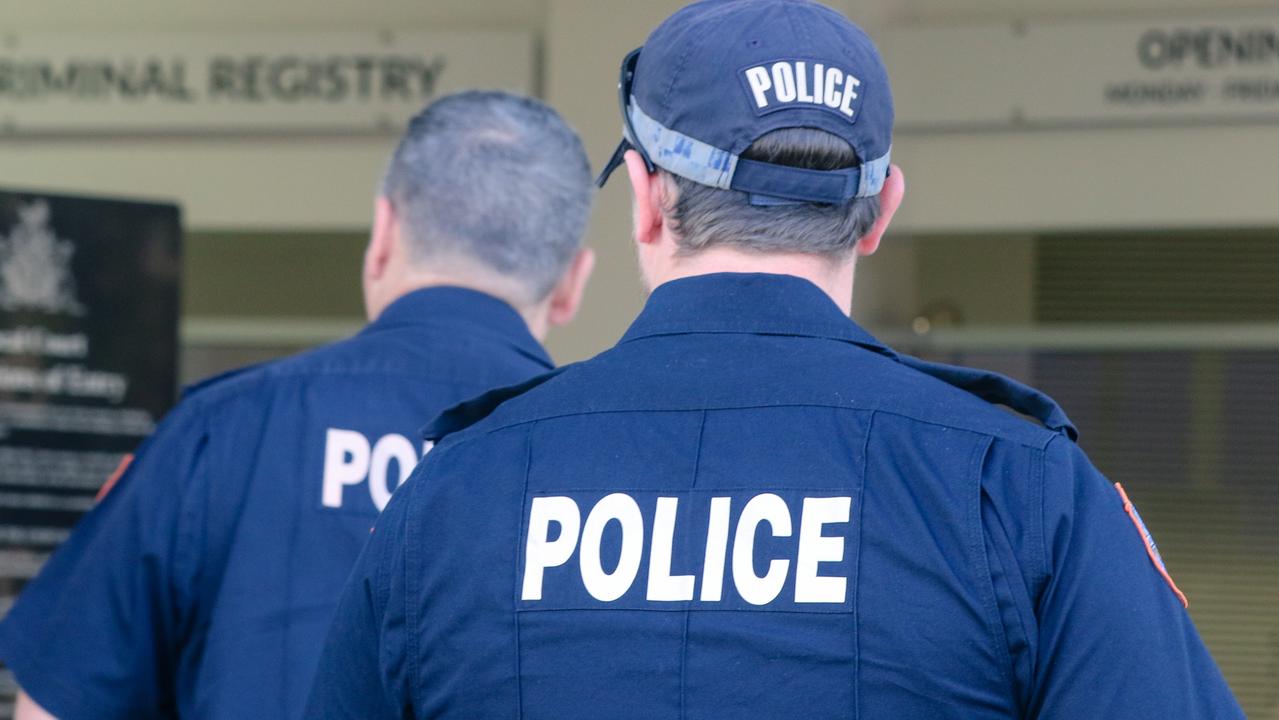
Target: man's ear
[890, 198]
[566, 298]
[386, 227]
[647, 192]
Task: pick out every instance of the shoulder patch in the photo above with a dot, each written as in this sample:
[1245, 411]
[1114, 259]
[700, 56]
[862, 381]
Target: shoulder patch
[120, 469]
[1151, 549]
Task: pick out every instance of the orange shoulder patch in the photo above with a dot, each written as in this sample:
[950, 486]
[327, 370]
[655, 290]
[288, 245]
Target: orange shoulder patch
[114, 478]
[1151, 549]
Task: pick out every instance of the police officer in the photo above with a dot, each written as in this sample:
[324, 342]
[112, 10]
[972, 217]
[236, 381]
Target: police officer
[203, 584]
[751, 508]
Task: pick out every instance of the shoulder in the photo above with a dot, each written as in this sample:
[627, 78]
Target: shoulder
[604, 383]
[974, 400]
[251, 380]
[836, 376]
[215, 418]
[487, 412]
[1068, 471]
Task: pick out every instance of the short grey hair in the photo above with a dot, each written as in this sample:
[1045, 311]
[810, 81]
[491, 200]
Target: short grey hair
[494, 178]
[703, 216]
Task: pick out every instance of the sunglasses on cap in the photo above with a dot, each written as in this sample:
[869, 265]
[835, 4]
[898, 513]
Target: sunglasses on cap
[629, 141]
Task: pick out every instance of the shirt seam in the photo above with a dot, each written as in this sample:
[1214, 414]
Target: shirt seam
[683, 662]
[197, 477]
[994, 619]
[519, 559]
[857, 571]
[242, 385]
[793, 330]
[1045, 566]
[410, 608]
[477, 434]
[287, 622]
[218, 390]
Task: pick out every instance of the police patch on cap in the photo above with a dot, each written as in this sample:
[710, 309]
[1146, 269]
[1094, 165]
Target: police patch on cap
[1151, 549]
[783, 84]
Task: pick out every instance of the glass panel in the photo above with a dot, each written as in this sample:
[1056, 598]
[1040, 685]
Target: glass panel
[1158, 277]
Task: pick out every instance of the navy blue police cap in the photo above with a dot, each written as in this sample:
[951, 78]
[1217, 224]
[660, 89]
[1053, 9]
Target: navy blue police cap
[720, 74]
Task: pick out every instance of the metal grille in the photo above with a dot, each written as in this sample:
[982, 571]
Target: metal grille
[1155, 278]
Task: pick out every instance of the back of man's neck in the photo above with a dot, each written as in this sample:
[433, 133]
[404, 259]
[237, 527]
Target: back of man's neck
[834, 278]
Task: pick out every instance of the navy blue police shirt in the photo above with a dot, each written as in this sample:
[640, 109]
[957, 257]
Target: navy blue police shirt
[752, 509]
[203, 584]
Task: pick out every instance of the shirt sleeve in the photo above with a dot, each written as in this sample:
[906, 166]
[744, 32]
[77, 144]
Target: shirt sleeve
[97, 633]
[1114, 638]
[364, 669]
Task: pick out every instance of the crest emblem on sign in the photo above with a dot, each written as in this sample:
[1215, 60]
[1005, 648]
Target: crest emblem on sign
[35, 266]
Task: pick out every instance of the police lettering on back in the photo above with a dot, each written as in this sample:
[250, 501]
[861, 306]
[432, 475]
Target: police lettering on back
[786, 83]
[547, 548]
[350, 459]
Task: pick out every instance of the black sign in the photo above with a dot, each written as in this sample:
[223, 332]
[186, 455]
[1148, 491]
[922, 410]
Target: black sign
[88, 358]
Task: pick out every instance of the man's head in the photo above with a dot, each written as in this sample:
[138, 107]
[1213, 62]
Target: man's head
[758, 137]
[490, 191]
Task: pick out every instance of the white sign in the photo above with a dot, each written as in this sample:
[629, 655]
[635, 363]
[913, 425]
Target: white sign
[174, 82]
[1193, 69]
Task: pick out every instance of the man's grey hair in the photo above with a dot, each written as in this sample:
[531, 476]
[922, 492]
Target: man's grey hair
[496, 179]
[703, 216]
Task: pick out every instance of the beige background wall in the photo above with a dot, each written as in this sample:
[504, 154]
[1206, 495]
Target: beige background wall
[963, 184]
[959, 183]
[296, 184]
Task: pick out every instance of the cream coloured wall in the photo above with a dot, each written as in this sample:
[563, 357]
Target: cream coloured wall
[235, 183]
[585, 43]
[1030, 180]
[162, 15]
[903, 11]
[959, 183]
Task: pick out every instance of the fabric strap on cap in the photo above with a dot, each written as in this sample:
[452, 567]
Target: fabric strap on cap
[833, 187]
[706, 164]
[681, 154]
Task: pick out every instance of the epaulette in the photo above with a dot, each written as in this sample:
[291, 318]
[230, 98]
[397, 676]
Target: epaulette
[1000, 390]
[467, 413]
[217, 379]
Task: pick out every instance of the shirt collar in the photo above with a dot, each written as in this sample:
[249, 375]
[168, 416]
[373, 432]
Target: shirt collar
[788, 305]
[756, 304]
[461, 308]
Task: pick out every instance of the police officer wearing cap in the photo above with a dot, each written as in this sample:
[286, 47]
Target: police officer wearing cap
[751, 508]
[203, 584]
